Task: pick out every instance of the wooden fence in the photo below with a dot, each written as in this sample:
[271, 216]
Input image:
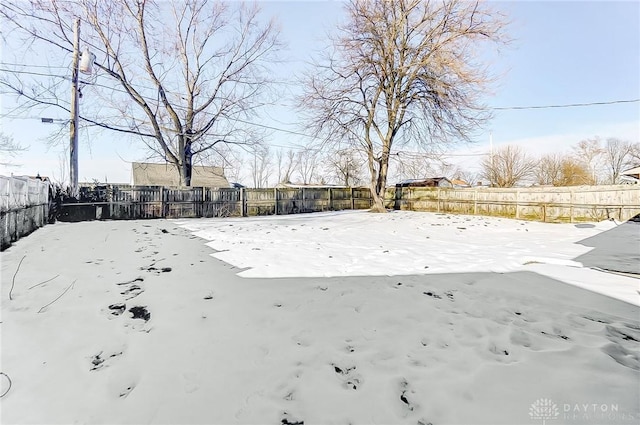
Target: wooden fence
[137, 202]
[547, 204]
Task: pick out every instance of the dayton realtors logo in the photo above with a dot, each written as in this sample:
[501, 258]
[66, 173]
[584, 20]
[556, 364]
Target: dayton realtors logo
[544, 409]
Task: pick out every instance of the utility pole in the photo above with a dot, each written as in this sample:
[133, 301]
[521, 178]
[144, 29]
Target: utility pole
[73, 131]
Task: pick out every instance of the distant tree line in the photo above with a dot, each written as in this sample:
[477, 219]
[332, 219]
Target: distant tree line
[589, 162]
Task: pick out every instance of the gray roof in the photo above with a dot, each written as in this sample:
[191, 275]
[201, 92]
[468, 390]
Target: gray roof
[427, 182]
[148, 174]
[632, 172]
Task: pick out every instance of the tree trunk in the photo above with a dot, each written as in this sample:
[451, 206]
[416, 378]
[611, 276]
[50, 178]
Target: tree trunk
[378, 188]
[185, 166]
[378, 202]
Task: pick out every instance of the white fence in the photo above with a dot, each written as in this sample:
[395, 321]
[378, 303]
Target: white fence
[24, 207]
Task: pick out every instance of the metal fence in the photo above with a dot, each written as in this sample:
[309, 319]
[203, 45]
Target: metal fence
[24, 207]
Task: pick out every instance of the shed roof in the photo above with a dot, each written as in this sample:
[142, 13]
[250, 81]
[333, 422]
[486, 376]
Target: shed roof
[634, 172]
[427, 182]
[150, 174]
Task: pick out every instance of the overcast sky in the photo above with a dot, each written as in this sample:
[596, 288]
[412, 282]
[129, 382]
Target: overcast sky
[563, 53]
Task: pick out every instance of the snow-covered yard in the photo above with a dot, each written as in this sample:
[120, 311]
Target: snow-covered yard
[344, 317]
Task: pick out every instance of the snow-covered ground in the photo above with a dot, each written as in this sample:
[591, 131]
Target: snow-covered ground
[358, 243]
[409, 318]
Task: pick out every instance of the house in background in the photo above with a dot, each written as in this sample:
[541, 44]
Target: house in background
[149, 174]
[460, 184]
[631, 176]
[428, 182]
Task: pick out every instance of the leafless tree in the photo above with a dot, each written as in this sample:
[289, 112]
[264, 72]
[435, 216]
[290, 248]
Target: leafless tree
[575, 173]
[230, 158]
[618, 156]
[470, 177]
[548, 171]
[308, 164]
[635, 155]
[8, 150]
[411, 166]
[344, 166]
[562, 170]
[178, 74]
[507, 166]
[402, 72]
[286, 165]
[260, 166]
[590, 152]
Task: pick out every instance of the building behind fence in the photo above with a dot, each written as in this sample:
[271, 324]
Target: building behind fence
[24, 207]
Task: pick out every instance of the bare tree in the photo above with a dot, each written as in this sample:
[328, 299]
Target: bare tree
[574, 173]
[507, 166]
[590, 153]
[8, 150]
[345, 167]
[308, 164]
[228, 157]
[618, 156]
[548, 171]
[177, 73]
[635, 155]
[412, 166]
[403, 71]
[470, 177]
[286, 165]
[260, 166]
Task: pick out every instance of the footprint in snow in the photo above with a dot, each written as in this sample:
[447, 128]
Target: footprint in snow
[289, 421]
[101, 360]
[350, 380]
[140, 312]
[132, 292]
[405, 392]
[127, 391]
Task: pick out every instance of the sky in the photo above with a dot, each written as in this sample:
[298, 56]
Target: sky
[562, 53]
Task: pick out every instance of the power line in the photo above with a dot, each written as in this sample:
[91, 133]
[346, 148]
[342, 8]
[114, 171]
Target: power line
[14, 71]
[568, 105]
[497, 108]
[33, 66]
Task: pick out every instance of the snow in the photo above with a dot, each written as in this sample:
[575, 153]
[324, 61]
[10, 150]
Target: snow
[357, 243]
[328, 328]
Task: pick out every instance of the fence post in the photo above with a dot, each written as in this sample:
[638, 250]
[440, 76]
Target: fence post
[517, 204]
[202, 213]
[163, 202]
[475, 201]
[243, 202]
[438, 192]
[570, 205]
[353, 201]
[275, 197]
[330, 206]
